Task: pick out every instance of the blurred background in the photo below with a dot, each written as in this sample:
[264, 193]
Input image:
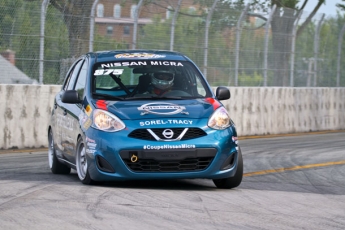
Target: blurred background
[234, 43]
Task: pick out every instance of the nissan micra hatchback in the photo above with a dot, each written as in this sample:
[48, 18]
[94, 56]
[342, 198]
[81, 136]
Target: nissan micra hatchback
[142, 115]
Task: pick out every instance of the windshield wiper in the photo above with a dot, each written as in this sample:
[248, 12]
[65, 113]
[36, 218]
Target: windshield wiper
[107, 96]
[154, 98]
[174, 98]
[149, 97]
[138, 98]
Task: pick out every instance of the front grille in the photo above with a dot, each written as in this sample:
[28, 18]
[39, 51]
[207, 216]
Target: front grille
[144, 134]
[150, 165]
[166, 160]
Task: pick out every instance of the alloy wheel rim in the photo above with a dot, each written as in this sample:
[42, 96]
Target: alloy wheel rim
[51, 151]
[81, 163]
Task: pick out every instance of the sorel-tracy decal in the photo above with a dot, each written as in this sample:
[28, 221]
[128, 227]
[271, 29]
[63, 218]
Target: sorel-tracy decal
[133, 63]
[161, 108]
[139, 55]
[159, 147]
[166, 122]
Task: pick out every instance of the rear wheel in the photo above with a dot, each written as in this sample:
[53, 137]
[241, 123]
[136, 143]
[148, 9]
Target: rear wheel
[82, 164]
[232, 182]
[54, 164]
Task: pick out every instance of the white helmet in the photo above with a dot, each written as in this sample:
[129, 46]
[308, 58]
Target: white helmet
[163, 79]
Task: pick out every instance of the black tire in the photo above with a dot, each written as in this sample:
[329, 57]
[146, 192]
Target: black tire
[232, 182]
[82, 164]
[54, 164]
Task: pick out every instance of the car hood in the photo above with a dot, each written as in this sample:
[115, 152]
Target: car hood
[193, 109]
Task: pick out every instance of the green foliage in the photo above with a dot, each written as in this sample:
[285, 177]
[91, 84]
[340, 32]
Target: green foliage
[20, 30]
[253, 79]
[327, 53]
[107, 43]
[188, 39]
[55, 46]
[341, 6]
[8, 12]
[26, 24]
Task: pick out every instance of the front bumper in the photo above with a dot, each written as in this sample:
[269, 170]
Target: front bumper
[115, 156]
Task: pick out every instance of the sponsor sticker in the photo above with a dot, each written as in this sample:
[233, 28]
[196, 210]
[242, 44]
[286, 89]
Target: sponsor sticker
[90, 140]
[235, 139]
[139, 55]
[161, 109]
[65, 122]
[91, 151]
[159, 147]
[82, 117]
[91, 145]
[87, 123]
[99, 72]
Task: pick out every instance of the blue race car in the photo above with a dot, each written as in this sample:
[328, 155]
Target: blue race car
[142, 114]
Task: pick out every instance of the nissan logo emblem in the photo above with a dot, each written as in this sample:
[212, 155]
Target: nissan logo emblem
[168, 133]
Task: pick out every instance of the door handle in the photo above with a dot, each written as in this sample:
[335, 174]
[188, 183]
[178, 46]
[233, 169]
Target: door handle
[65, 112]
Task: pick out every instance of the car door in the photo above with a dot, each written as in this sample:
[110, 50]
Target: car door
[72, 111]
[63, 122]
[58, 118]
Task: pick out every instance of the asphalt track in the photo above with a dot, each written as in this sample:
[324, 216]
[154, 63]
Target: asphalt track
[290, 182]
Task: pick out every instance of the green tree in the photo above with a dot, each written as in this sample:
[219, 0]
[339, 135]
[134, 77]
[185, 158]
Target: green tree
[76, 15]
[189, 39]
[283, 21]
[9, 11]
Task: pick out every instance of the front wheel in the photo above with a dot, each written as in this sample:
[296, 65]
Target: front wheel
[82, 164]
[232, 182]
[54, 164]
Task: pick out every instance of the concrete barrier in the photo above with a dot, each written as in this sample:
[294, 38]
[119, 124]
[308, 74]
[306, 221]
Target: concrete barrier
[275, 110]
[25, 111]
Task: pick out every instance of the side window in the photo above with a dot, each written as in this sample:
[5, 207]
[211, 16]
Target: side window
[80, 85]
[200, 87]
[68, 78]
[74, 75]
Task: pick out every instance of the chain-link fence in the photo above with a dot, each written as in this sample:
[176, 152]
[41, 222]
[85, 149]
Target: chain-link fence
[233, 44]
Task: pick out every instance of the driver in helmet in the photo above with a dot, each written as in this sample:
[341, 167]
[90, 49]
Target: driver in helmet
[162, 82]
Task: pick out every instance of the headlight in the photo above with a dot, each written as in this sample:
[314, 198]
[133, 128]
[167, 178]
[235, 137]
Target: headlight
[106, 121]
[220, 119]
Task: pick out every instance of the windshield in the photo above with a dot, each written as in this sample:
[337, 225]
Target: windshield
[142, 79]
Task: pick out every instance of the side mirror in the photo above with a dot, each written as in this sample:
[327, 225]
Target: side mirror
[70, 97]
[222, 93]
